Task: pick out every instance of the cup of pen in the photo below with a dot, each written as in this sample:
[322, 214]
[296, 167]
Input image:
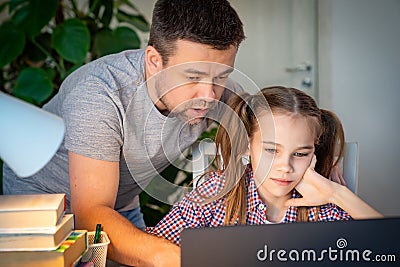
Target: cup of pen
[97, 247]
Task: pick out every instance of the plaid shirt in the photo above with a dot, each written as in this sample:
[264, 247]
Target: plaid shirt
[191, 213]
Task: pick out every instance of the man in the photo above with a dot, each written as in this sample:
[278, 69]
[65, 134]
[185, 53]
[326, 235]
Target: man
[117, 107]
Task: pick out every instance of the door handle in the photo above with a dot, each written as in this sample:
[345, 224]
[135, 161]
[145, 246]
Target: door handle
[305, 66]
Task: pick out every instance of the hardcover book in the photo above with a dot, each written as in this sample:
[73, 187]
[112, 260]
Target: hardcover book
[38, 238]
[28, 211]
[66, 255]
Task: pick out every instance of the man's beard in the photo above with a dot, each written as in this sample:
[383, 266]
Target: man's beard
[182, 112]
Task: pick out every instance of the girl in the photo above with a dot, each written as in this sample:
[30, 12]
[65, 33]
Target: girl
[285, 179]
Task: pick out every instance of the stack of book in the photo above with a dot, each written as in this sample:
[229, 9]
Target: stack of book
[36, 231]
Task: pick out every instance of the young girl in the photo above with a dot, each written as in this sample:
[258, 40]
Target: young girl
[291, 143]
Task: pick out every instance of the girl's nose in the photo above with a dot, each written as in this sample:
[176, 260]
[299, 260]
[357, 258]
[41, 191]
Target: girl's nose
[283, 163]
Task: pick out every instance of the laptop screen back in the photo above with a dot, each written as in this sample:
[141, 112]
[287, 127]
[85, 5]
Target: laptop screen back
[340, 243]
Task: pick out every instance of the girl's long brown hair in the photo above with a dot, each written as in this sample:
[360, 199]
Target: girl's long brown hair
[238, 126]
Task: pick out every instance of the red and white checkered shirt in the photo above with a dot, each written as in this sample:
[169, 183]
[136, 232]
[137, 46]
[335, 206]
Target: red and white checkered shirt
[190, 212]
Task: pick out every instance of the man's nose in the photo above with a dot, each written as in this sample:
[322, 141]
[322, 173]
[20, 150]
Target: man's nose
[205, 90]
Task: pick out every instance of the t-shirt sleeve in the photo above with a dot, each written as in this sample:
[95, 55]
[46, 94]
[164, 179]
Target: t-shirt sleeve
[93, 123]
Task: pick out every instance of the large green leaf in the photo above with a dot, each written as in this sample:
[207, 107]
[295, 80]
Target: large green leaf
[122, 38]
[50, 73]
[137, 21]
[71, 40]
[12, 43]
[33, 85]
[33, 15]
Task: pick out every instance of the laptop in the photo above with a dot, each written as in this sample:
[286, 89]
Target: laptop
[374, 242]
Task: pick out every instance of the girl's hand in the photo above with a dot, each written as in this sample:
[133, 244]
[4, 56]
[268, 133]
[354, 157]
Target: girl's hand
[315, 189]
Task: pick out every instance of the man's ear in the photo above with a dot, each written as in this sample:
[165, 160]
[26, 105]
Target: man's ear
[153, 61]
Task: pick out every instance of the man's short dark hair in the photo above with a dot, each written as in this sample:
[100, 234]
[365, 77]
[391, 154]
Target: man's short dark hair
[209, 22]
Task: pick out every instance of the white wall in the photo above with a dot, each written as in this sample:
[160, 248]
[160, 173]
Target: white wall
[360, 80]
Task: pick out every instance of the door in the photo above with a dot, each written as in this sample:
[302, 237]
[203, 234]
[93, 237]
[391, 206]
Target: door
[281, 43]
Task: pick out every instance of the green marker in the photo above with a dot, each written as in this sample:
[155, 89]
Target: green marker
[97, 234]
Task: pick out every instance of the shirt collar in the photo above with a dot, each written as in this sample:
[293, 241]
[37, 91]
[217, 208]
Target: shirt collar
[253, 197]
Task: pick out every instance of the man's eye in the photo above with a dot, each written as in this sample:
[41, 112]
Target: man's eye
[300, 155]
[271, 150]
[193, 78]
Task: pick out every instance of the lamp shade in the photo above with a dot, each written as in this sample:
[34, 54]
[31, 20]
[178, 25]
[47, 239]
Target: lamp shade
[29, 136]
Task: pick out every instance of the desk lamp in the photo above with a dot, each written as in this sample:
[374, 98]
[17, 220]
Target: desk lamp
[29, 136]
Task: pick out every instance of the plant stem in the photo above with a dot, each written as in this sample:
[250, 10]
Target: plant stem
[44, 51]
[74, 7]
[94, 5]
[62, 73]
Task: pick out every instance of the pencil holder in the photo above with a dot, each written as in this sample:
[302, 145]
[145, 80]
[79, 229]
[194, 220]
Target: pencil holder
[96, 253]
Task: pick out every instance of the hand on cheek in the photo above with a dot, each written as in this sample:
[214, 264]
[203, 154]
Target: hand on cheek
[315, 189]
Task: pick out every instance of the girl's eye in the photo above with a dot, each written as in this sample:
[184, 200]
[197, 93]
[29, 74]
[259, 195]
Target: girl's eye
[300, 155]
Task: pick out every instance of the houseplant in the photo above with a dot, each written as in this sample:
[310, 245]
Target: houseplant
[42, 41]
[45, 40]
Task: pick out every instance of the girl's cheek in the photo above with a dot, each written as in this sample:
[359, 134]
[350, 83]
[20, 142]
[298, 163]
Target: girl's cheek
[267, 161]
[302, 164]
[261, 165]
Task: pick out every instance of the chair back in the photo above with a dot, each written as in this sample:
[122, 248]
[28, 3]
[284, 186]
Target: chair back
[350, 166]
[203, 154]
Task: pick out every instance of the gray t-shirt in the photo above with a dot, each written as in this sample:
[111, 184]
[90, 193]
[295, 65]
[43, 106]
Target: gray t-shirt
[93, 102]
